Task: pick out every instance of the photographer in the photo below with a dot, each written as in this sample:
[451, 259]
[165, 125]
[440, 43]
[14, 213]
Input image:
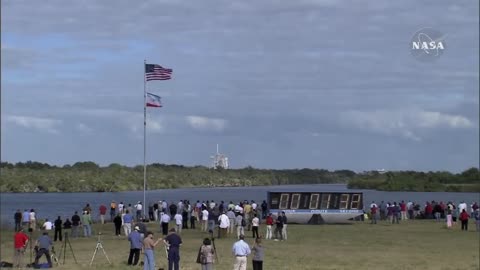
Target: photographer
[206, 255]
[42, 247]
[20, 244]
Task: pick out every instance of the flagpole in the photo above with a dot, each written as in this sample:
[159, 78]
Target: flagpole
[144, 136]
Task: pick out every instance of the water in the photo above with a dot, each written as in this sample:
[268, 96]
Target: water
[51, 205]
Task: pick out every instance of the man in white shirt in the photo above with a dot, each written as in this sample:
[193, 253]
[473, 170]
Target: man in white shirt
[164, 220]
[139, 208]
[204, 220]
[462, 206]
[224, 224]
[373, 204]
[121, 208]
[178, 222]
[48, 225]
[164, 205]
[212, 204]
[238, 209]
[255, 224]
[254, 205]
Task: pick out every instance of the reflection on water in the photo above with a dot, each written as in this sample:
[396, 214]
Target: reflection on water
[51, 205]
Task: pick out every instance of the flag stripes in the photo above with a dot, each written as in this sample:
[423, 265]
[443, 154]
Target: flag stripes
[157, 72]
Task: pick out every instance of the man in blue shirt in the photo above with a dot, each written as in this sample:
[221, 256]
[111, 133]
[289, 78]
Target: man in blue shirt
[240, 250]
[44, 243]
[127, 223]
[135, 246]
[173, 242]
[26, 219]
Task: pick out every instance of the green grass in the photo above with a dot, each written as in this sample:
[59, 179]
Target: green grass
[409, 245]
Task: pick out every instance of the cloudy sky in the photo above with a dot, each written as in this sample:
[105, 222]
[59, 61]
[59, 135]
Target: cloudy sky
[277, 84]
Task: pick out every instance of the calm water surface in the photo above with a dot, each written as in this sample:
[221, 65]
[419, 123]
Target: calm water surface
[51, 205]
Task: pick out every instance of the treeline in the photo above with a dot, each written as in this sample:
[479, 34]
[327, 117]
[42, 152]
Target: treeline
[467, 181]
[88, 176]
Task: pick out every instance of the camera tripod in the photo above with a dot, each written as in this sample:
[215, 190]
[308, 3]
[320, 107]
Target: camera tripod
[64, 249]
[99, 246]
[213, 244]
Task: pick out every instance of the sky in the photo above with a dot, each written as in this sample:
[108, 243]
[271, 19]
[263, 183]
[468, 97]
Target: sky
[277, 84]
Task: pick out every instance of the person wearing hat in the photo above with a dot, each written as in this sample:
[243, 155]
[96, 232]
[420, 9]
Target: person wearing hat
[173, 242]
[135, 246]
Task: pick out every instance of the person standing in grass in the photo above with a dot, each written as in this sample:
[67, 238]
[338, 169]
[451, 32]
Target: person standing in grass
[117, 220]
[373, 214]
[224, 223]
[17, 217]
[26, 219]
[113, 209]
[178, 222]
[164, 220]
[58, 229]
[279, 227]
[240, 250]
[449, 216]
[204, 219]
[255, 225]
[20, 244]
[67, 226]
[269, 222]
[148, 246]
[75, 223]
[135, 246]
[464, 216]
[206, 255]
[127, 223]
[240, 223]
[173, 242]
[103, 211]
[33, 220]
[231, 219]
[258, 254]
[477, 218]
[284, 226]
[87, 224]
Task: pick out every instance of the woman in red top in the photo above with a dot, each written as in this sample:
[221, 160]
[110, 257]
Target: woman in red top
[464, 216]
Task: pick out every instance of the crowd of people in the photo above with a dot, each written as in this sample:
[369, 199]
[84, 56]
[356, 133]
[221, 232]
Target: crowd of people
[448, 212]
[224, 219]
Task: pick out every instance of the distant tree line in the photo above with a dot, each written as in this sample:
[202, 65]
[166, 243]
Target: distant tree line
[88, 176]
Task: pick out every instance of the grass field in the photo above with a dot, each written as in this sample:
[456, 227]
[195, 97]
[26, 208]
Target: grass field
[410, 245]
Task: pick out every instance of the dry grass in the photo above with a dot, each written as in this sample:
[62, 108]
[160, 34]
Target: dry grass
[410, 245]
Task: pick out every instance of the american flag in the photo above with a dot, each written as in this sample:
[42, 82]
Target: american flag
[157, 72]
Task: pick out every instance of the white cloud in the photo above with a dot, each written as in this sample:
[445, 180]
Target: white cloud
[404, 123]
[205, 123]
[43, 124]
[437, 119]
[134, 122]
[83, 128]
